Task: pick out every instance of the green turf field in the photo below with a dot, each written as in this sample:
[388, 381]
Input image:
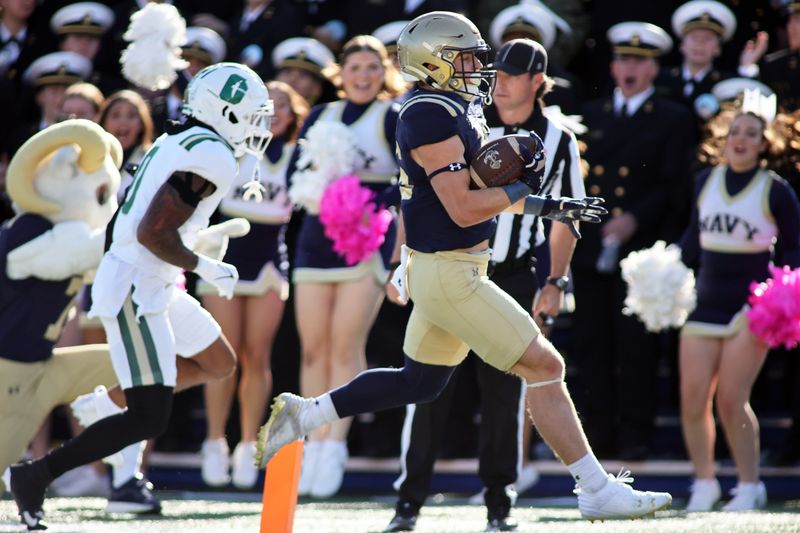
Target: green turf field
[225, 513]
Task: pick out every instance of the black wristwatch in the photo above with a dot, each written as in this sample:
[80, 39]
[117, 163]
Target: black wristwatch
[559, 283]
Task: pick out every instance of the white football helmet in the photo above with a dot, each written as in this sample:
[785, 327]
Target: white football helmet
[431, 44]
[232, 99]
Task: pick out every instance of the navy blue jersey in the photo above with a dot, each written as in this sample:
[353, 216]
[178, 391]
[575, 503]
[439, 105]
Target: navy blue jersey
[32, 311]
[429, 117]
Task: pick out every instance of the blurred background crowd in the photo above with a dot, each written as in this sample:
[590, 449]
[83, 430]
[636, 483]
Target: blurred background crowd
[60, 59]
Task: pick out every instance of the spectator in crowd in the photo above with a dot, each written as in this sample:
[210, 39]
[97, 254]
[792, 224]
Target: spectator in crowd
[125, 115]
[251, 318]
[781, 70]
[531, 21]
[703, 27]
[80, 28]
[19, 44]
[720, 357]
[571, 15]
[638, 150]
[49, 76]
[258, 29]
[336, 304]
[82, 100]
[305, 64]
[522, 83]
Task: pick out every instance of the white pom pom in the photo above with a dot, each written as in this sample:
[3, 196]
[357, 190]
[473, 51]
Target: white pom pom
[660, 287]
[154, 55]
[327, 153]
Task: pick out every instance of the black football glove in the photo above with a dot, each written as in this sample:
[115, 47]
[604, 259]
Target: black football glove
[534, 163]
[570, 211]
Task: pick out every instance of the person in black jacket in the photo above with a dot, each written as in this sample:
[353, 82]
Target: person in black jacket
[638, 148]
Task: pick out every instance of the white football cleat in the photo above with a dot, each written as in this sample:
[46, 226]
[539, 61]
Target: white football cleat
[705, 493]
[216, 463]
[311, 453]
[330, 469]
[244, 472]
[282, 427]
[617, 499]
[747, 497]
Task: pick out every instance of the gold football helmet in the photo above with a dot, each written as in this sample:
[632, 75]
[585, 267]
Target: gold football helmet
[431, 44]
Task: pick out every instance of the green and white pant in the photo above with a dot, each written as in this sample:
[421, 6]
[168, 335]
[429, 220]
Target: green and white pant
[143, 350]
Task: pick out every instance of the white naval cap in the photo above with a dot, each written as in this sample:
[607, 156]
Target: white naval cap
[88, 18]
[389, 33]
[304, 53]
[204, 44]
[523, 19]
[731, 88]
[58, 68]
[639, 39]
[704, 14]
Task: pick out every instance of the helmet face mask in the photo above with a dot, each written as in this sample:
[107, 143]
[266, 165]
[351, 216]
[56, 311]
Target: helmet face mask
[434, 48]
[232, 99]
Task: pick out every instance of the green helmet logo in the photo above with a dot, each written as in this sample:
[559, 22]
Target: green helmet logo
[234, 89]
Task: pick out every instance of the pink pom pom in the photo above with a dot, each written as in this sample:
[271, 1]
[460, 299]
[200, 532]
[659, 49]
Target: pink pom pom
[354, 223]
[774, 315]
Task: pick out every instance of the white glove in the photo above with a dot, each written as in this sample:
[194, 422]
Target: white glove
[213, 241]
[221, 275]
[68, 249]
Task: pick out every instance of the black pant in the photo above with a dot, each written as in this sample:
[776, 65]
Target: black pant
[502, 412]
[616, 362]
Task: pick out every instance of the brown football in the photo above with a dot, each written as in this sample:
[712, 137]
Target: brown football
[499, 162]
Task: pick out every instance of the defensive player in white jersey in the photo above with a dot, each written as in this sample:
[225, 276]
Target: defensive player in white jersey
[147, 320]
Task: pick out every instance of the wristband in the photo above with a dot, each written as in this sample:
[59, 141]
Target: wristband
[533, 205]
[516, 191]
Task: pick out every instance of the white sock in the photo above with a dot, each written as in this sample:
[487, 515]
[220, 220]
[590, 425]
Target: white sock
[105, 406]
[318, 414]
[588, 473]
[129, 466]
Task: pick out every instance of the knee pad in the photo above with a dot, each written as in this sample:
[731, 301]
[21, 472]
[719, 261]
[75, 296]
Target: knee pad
[149, 409]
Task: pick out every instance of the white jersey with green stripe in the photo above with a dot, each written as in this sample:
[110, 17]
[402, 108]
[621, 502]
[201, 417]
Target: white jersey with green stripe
[197, 150]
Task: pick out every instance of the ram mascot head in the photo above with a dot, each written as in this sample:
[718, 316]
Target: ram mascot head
[67, 172]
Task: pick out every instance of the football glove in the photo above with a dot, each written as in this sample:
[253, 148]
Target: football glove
[221, 275]
[570, 211]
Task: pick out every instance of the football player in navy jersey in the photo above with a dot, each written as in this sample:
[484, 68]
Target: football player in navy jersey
[447, 232]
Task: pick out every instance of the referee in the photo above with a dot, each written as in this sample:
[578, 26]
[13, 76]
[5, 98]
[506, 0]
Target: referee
[516, 247]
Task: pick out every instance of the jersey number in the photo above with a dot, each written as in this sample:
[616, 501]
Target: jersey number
[53, 331]
[137, 179]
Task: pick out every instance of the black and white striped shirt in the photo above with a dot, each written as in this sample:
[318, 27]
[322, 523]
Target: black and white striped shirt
[518, 235]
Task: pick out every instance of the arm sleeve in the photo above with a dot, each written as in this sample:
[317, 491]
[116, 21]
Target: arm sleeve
[428, 123]
[785, 207]
[690, 241]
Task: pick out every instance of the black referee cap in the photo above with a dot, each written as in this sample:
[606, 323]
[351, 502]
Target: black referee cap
[519, 56]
